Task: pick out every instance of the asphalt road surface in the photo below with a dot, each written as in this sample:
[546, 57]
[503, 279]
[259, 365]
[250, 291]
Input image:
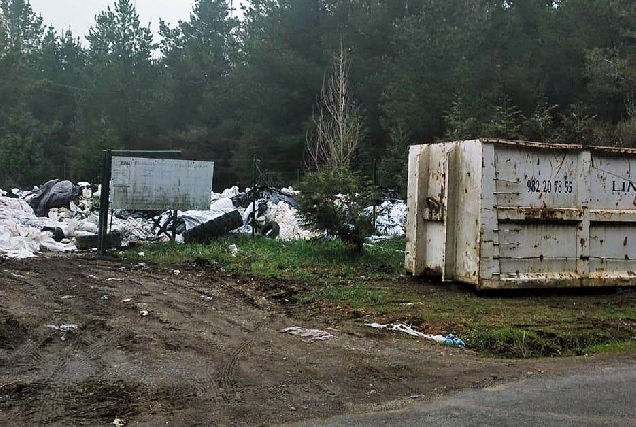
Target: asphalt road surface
[601, 396]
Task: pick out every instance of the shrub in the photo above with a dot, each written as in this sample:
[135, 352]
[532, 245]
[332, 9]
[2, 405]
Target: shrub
[334, 202]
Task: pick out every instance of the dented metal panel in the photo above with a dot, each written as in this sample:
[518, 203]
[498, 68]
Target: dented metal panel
[520, 214]
[415, 257]
[538, 247]
[462, 243]
[613, 184]
[160, 184]
[426, 215]
[537, 192]
[531, 177]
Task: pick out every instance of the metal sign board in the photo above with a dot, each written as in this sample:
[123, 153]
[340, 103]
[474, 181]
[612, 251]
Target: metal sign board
[160, 184]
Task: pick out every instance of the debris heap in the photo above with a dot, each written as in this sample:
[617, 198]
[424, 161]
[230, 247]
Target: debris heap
[51, 217]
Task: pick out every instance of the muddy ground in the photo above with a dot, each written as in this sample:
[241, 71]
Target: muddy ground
[87, 342]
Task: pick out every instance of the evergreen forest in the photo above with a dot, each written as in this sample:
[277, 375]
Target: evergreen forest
[229, 89]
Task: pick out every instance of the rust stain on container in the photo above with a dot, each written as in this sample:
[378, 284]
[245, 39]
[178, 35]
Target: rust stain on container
[531, 214]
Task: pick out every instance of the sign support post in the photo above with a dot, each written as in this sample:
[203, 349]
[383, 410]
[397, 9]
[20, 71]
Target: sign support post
[104, 200]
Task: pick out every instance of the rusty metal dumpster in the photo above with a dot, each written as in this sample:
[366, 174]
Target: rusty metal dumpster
[511, 214]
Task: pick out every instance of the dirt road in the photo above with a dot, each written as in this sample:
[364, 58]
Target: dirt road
[91, 342]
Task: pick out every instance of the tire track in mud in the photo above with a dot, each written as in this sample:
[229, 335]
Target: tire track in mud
[61, 378]
[227, 371]
[223, 387]
[183, 299]
[28, 354]
[227, 382]
[52, 405]
[58, 379]
[227, 385]
[85, 346]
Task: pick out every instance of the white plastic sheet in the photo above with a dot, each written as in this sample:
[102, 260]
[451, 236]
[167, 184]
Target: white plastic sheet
[21, 235]
[20, 230]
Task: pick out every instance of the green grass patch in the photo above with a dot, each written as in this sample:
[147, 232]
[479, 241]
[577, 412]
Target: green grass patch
[526, 326]
[538, 342]
[325, 261]
[355, 296]
[613, 347]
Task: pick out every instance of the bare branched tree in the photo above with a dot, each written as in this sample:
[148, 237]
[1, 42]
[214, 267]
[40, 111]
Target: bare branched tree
[337, 121]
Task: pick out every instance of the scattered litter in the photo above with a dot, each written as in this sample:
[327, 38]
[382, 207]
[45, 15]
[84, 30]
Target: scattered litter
[63, 328]
[114, 279]
[92, 276]
[176, 272]
[263, 210]
[105, 297]
[67, 296]
[400, 327]
[118, 422]
[453, 340]
[234, 249]
[206, 298]
[143, 313]
[126, 300]
[308, 334]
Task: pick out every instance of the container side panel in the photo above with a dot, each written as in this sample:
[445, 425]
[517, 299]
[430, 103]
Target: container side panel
[538, 193]
[434, 241]
[613, 247]
[613, 183]
[467, 188]
[528, 268]
[489, 228]
[536, 177]
[537, 240]
[426, 217]
[612, 242]
[414, 218]
[613, 269]
[528, 248]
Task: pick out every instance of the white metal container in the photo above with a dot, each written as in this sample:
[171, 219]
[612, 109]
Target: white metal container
[503, 214]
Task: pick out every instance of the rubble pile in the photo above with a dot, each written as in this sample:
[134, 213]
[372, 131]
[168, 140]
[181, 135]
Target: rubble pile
[390, 217]
[51, 217]
[22, 232]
